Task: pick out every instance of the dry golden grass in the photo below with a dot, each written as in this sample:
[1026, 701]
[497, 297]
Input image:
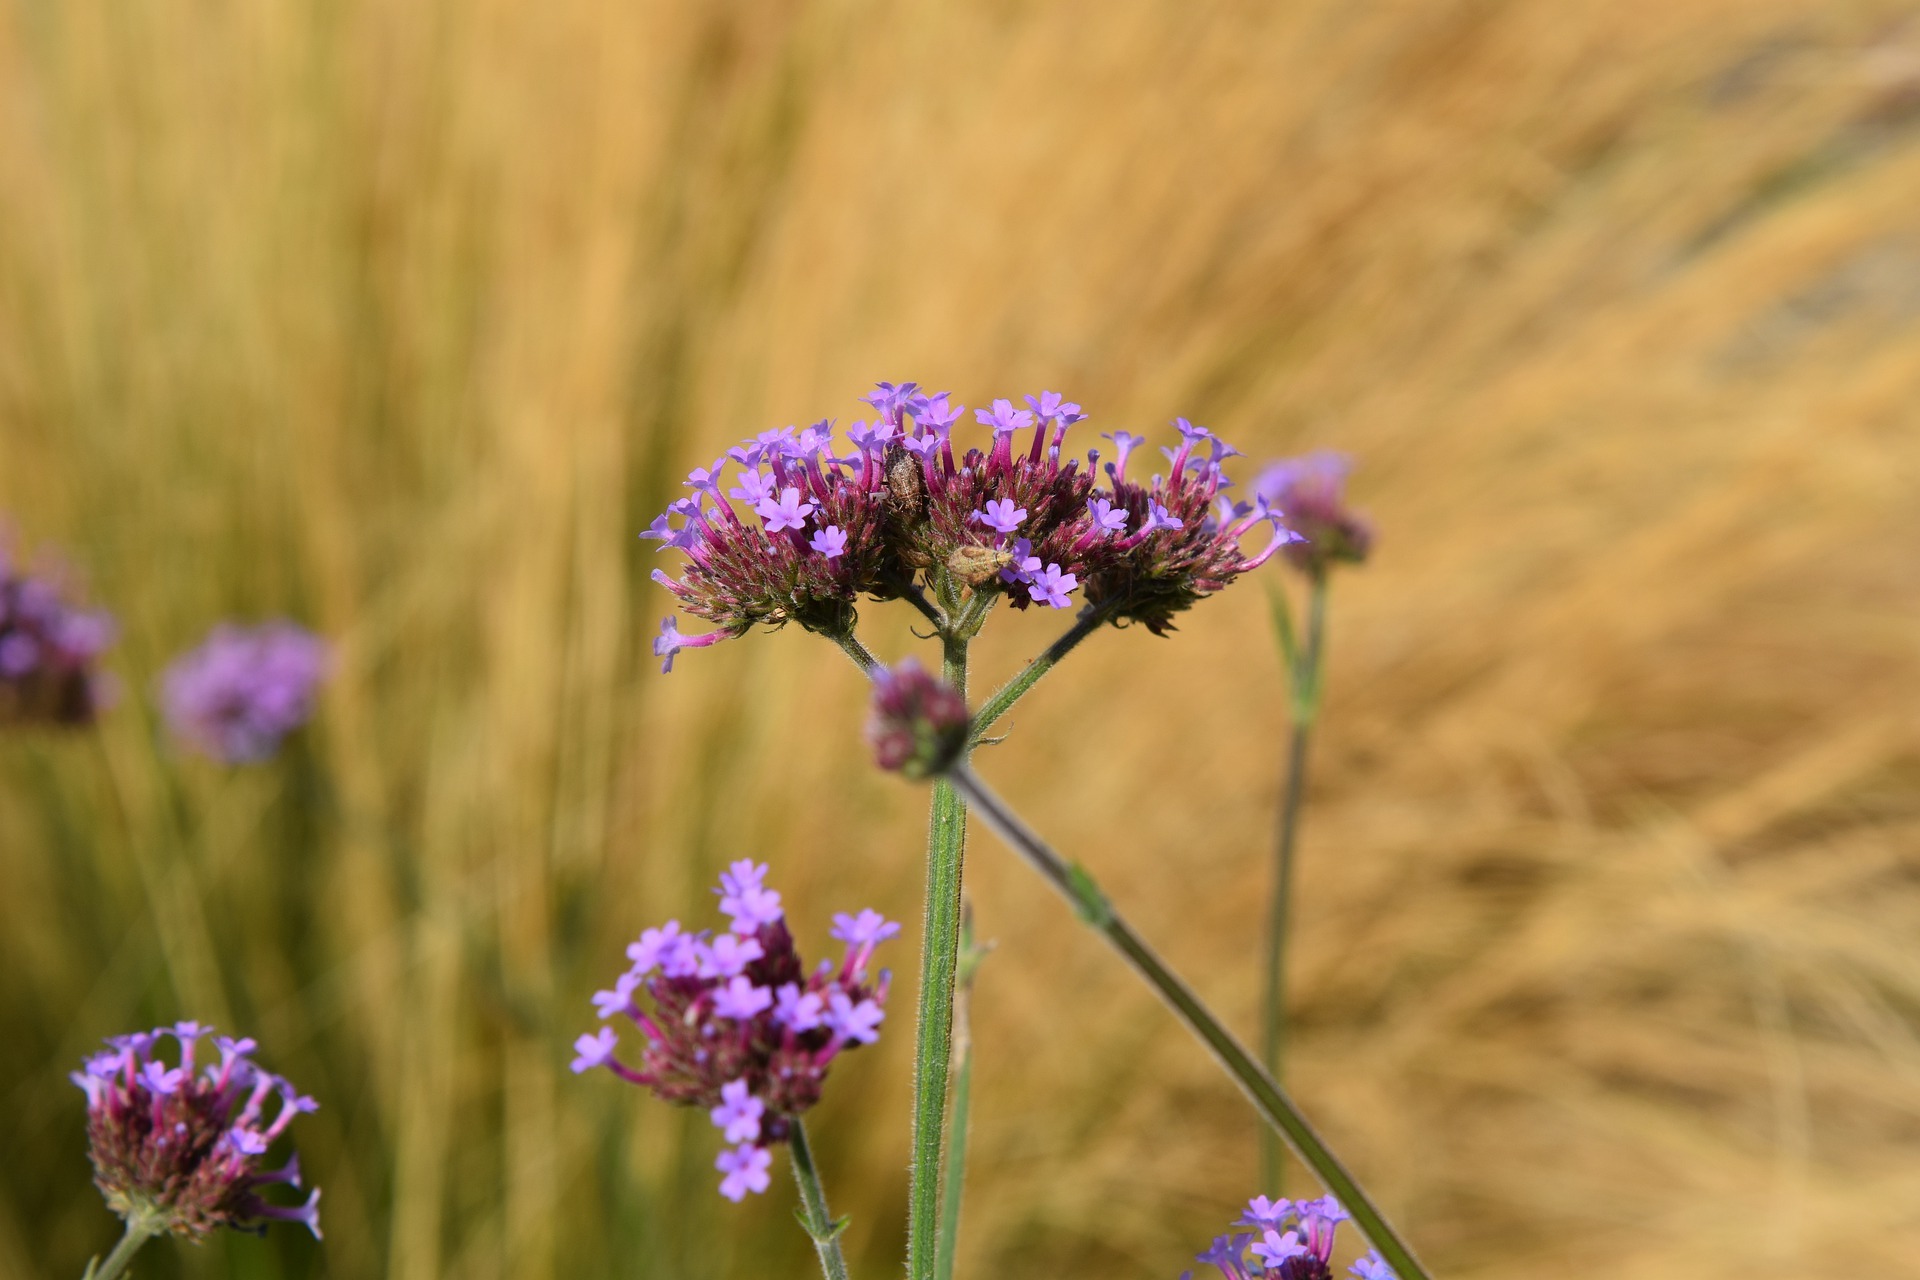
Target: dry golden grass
[403, 318]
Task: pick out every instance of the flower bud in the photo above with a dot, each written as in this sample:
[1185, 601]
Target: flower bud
[919, 723]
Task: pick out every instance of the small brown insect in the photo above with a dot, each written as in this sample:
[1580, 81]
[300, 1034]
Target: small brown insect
[975, 565]
[906, 486]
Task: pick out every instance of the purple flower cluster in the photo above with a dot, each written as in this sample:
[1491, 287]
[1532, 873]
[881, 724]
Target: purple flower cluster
[48, 650]
[1312, 490]
[737, 1025]
[1286, 1240]
[798, 534]
[918, 722]
[244, 689]
[180, 1146]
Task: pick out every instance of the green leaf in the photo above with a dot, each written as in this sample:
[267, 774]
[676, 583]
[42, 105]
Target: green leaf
[1089, 900]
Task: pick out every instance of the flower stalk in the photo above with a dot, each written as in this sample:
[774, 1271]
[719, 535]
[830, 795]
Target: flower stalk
[1303, 663]
[141, 1227]
[970, 956]
[1090, 619]
[939, 964]
[1080, 889]
[814, 1215]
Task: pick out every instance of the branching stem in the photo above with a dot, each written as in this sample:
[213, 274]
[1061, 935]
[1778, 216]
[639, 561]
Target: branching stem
[1079, 888]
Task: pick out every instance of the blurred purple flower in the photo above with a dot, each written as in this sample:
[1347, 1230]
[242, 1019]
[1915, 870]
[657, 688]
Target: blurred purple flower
[1309, 494]
[244, 689]
[49, 648]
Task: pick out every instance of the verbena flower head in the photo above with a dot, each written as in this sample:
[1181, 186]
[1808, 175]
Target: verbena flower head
[918, 722]
[1286, 1240]
[244, 689]
[798, 532]
[736, 1025]
[177, 1138]
[49, 648]
[1312, 491]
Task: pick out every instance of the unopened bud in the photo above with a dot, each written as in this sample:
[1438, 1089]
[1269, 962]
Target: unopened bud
[919, 723]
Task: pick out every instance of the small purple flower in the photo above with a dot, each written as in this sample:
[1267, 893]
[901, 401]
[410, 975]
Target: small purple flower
[1001, 515]
[727, 955]
[243, 690]
[745, 897]
[1051, 406]
[1372, 1267]
[857, 1022]
[646, 954]
[830, 542]
[891, 399]
[672, 640]
[706, 479]
[617, 1001]
[874, 438]
[1274, 1247]
[787, 512]
[1158, 517]
[798, 1012]
[1051, 586]
[1124, 443]
[1264, 1213]
[1229, 1253]
[935, 416]
[1107, 518]
[755, 487]
[1003, 417]
[740, 999]
[746, 1170]
[864, 929]
[180, 1145]
[594, 1050]
[739, 1112]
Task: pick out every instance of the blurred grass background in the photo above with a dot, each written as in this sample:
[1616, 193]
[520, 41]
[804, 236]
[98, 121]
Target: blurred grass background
[403, 318]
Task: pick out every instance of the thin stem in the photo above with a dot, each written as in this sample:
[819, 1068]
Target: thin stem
[949, 1243]
[939, 958]
[1303, 677]
[1080, 889]
[861, 655]
[914, 596]
[814, 1215]
[140, 1229]
[1011, 692]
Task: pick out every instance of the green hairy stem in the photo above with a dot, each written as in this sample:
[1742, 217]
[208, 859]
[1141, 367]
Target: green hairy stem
[141, 1227]
[814, 1214]
[1303, 676]
[970, 956]
[1079, 888]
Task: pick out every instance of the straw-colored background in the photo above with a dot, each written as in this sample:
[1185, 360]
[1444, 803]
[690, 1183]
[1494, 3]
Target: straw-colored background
[403, 319]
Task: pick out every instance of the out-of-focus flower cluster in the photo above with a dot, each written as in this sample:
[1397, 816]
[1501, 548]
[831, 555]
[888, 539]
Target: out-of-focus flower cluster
[736, 1024]
[179, 1146]
[918, 724]
[49, 649]
[782, 528]
[1312, 490]
[1286, 1240]
[244, 689]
